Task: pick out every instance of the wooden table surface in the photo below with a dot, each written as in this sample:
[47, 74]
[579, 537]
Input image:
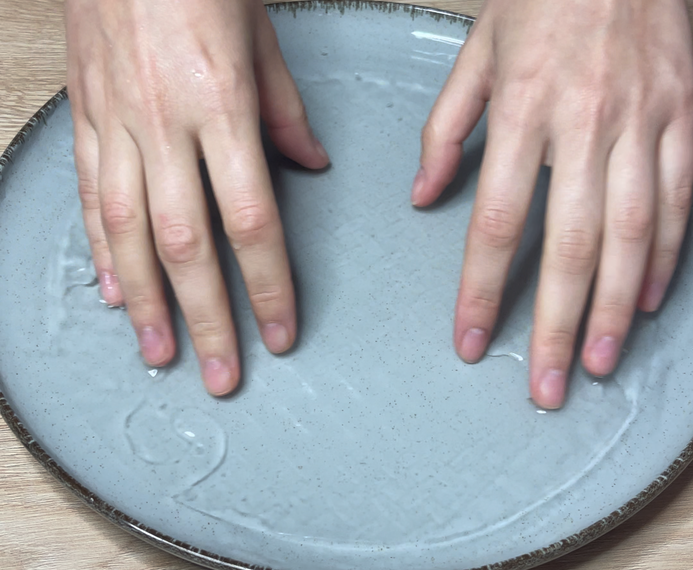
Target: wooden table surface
[43, 526]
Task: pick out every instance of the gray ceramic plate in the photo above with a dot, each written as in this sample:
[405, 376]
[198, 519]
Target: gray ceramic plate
[371, 445]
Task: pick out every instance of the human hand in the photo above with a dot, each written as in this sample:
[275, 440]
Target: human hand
[603, 92]
[154, 85]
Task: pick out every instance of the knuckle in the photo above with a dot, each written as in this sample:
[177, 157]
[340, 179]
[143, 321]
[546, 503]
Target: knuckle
[525, 81]
[557, 340]
[496, 226]
[140, 304]
[99, 246]
[633, 223]
[576, 251]
[677, 201]
[267, 300]
[118, 215]
[519, 101]
[229, 95]
[666, 255]
[248, 224]
[481, 302]
[88, 193]
[641, 100]
[154, 107]
[430, 134]
[179, 243]
[150, 95]
[593, 110]
[207, 329]
[291, 112]
[591, 106]
[615, 309]
[296, 114]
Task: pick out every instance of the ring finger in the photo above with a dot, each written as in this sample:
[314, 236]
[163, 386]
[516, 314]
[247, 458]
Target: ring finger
[628, 231]
[124, 213]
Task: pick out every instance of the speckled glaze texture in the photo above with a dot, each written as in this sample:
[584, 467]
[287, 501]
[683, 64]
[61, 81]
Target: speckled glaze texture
[370, 445]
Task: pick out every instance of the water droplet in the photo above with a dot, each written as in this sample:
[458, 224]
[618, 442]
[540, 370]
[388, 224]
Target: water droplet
[150, 437]
[190, 443]
[512, 355]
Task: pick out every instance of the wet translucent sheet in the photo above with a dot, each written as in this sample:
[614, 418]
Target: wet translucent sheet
[371, 444]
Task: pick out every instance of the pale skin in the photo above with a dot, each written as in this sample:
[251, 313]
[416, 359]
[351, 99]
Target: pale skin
[154, 85]
[602, 90]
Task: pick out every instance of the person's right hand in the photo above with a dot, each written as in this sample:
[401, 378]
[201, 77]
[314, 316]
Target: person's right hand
[153, 86]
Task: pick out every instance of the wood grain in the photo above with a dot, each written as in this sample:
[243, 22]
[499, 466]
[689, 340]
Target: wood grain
[44, 527]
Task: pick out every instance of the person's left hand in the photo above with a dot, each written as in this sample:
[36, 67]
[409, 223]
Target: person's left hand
[602, 91]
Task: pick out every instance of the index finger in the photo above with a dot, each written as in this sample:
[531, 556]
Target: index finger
[508, 174]
[243, 189]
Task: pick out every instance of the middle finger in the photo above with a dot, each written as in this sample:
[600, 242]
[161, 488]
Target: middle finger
[506, 183]
[183, 237]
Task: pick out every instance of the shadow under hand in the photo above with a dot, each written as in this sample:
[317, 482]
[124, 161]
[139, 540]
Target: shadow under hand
[295, 221]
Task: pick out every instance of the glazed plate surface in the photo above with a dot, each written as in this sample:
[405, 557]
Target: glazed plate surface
[371, 445]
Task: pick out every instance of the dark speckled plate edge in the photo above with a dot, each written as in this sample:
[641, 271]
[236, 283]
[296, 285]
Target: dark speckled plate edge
[211, 560]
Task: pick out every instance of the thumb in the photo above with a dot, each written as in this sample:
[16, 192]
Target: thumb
[281, 106]
[456, 112]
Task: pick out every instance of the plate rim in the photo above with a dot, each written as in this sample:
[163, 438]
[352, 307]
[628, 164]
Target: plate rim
[211, 560]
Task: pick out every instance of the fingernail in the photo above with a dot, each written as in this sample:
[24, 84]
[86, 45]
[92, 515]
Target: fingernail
[276, 337]
[651, 296]
[551, 389]
[321, 150]
[218, 376]
[473, 345]
[604, 356]
[417, 188]
[110, 288]
[152, 345]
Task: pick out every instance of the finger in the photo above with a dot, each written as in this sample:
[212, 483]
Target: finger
[455, 113]
[125, 218]
[508, 174]
[628, 229]
[87, 165]
[184, 243]
[281, 105]
[243, 190]
[675, 178]
[571, 246]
